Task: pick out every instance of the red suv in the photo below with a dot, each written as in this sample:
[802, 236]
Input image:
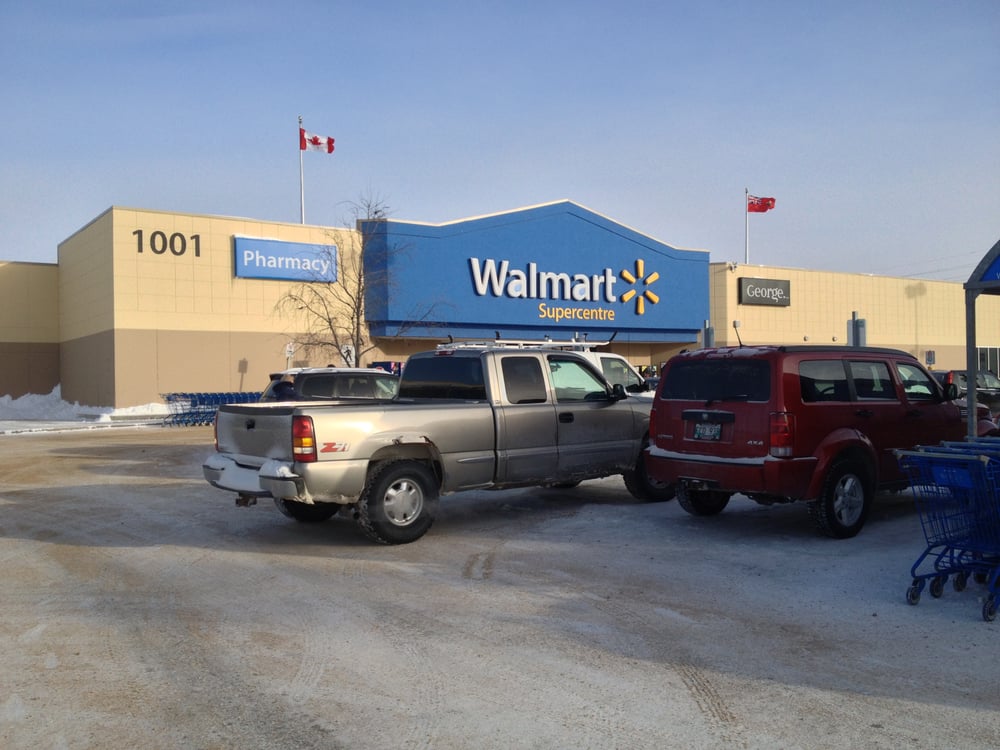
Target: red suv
[786, 423]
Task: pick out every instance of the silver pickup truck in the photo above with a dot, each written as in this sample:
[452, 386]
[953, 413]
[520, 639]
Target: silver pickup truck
[463, 419]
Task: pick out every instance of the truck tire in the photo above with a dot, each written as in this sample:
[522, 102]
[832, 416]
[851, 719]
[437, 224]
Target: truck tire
[305, 513]
[702, 502]
[844, 501]
[642, 486]
[398, 503]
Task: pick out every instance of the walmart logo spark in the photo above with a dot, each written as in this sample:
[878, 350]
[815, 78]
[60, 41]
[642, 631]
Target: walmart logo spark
[640, 297]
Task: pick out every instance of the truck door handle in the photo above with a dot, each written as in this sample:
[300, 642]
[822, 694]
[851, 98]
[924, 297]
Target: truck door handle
[566, 416]
[864, 413]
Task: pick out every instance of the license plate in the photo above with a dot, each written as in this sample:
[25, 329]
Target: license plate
[707, 430]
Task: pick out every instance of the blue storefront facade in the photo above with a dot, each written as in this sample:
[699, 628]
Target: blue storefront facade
[554, 270]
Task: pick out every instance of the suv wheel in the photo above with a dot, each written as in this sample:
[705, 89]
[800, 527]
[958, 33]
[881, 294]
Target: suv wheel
[845, 500]
[702, 502]
[642, 486]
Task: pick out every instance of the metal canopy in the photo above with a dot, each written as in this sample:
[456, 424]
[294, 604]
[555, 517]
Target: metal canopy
[984, 280]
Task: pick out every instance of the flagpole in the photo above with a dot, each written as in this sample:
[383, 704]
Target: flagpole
[302, 184]
[746, 230]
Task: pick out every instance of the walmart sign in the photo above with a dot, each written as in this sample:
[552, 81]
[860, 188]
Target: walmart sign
[289, 261]
[550, 270]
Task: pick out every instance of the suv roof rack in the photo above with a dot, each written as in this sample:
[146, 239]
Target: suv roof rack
[576, 344]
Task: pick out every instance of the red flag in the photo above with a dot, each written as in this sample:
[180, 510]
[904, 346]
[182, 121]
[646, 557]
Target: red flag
[757, 205]
[313, 142]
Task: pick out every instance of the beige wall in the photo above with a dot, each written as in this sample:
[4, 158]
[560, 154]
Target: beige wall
[910, 314]
[87, 370]
[29, 328]
[117, 324]
[137, 323]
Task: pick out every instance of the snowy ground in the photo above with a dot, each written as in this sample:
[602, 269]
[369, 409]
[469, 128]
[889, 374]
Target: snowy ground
[36, 413]
[141, 608]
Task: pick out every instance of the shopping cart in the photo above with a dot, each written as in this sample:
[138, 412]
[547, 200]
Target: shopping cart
[956, 489]
[189, 409]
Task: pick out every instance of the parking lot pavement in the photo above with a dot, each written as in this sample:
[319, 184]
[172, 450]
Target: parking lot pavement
[141, 608]
[23, 426]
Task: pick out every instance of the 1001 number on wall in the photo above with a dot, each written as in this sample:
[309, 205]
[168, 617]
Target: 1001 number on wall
[161, 242]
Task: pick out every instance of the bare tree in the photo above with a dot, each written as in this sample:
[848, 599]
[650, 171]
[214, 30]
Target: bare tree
[334, 312]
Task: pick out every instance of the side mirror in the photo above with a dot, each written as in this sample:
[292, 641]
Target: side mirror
[618, 392]
[950, 392]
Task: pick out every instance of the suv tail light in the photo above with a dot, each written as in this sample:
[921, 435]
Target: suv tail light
[781, 434]
[303, 439]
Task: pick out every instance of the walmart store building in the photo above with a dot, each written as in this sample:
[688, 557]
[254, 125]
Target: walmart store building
[145, 302]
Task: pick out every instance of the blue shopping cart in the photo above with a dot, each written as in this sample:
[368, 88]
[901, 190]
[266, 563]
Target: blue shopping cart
[188, 409]
[956, 489]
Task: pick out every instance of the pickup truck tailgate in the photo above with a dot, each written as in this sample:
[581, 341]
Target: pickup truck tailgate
[260, 430]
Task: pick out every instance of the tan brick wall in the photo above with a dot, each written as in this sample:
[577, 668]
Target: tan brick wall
[910, 314]
[29, 328]
[28, 367]
[117, 326]
[150, 306]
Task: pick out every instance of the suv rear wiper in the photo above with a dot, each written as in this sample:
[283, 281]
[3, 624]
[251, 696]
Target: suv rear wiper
[730, 397]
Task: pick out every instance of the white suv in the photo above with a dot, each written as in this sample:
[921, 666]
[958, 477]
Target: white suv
[326, 383]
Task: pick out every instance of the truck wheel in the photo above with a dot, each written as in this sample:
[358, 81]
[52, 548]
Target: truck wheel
[702, 502]
[844, 501]
[305, 513]
[642, 486]
[398, 502]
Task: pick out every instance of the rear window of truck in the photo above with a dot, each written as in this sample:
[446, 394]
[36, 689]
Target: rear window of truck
[718, 380]
[443, 377]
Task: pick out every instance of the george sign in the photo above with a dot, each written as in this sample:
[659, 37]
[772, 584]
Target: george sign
[772, 292]
[289, 261]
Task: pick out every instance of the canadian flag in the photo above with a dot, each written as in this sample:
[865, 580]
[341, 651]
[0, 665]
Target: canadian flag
[313, 142]
[756, 205]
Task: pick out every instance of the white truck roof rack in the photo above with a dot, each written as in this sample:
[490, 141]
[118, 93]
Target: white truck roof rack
[576, 344]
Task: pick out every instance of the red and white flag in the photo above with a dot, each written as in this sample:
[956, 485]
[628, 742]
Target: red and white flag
[313, 142]
[757, 205]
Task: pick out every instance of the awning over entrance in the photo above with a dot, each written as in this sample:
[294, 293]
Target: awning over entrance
[984, 280]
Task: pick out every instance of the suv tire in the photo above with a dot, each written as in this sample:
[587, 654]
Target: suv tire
[642, 486]
[702, 502]
[844, 501]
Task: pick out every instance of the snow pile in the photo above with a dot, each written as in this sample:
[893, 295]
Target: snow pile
[52, 408]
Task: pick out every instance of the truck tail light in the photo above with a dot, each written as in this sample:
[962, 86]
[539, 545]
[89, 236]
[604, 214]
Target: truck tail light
[303, 439]
[782, 433]
[652, 425]
[215, 431]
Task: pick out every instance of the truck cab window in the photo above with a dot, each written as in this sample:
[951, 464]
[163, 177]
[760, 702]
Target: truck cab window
[523, 379]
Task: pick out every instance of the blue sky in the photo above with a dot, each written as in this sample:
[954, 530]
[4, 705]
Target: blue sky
[875, 125]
